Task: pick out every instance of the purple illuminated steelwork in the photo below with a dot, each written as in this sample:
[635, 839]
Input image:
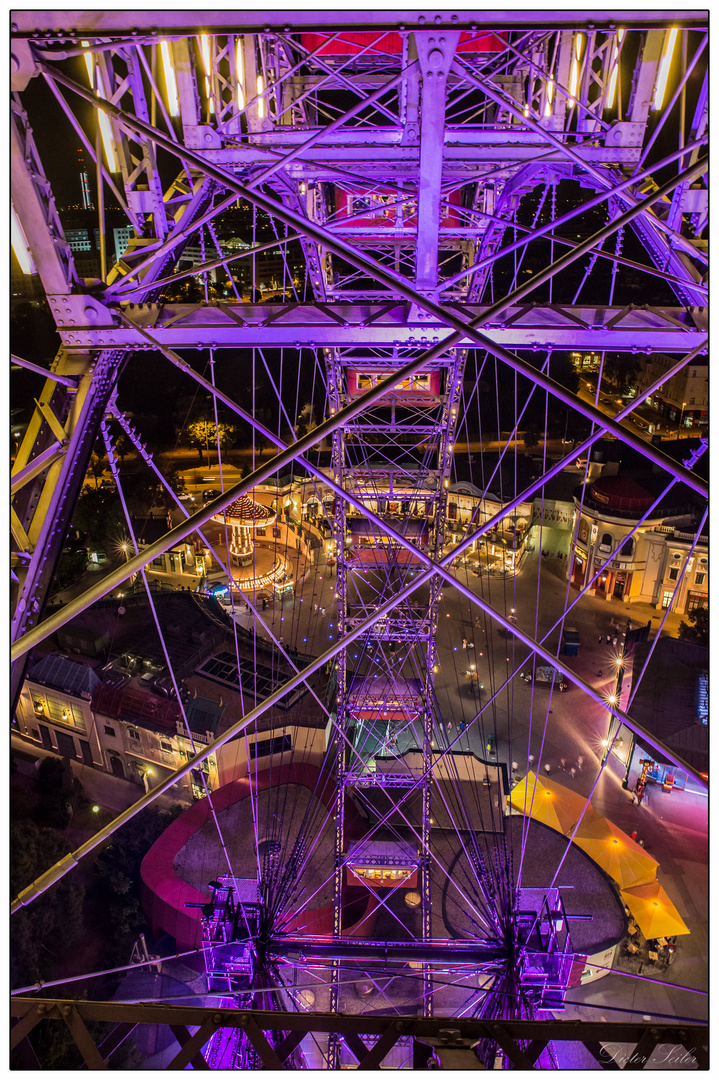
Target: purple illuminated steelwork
[382, 249]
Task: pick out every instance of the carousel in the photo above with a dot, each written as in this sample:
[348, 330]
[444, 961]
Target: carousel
[258, 565]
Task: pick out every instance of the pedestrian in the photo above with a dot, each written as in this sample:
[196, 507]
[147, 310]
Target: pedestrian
[634, 835]
[563, 764]
[601, 638]
[464, 643]
[281, 641]
[531, 759]
[547, 769]
[614, 641]
[315, 609]
[449, 726]
[462, 726]
[470, 644]
[609, 639]
[580, 762]
[641, 843]
[599, 674]
[573, 772]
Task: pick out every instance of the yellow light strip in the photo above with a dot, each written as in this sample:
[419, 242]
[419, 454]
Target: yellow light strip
[106, 129]
[205, 50]
[664, 66]
[19, 244]
[615, 71]
[173, 100]
[240, 74]
[89, 63]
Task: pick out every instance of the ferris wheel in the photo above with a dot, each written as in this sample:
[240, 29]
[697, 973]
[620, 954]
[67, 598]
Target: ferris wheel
[370, 264]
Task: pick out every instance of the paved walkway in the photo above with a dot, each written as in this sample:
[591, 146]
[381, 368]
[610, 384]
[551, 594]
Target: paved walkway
[111, 793]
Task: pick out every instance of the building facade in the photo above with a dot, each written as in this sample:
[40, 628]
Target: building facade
[621, 559]
[684, 398]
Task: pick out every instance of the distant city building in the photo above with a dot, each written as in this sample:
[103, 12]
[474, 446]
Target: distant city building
[585, 361]
[122, 238]
[684, 398]
[87, 203]
[79, 239]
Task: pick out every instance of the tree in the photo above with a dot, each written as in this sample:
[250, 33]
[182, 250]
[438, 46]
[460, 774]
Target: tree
[531, 436]
[118, 875]
[203, 434]
[59, 791]
[698, 631]
[98, 466]
[70, 567]
[54, 919]
[98, 514]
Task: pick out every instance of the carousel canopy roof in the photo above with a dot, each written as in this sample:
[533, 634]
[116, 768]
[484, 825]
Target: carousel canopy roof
[245, 511]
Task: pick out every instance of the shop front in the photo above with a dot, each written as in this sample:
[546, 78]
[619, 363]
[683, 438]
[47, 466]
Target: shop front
[643, 772]
[579, 568]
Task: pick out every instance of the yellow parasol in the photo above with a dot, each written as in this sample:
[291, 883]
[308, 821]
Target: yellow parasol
[521, 796]
[569, 806]
[547, 802]
[609, 847]
[654, 912]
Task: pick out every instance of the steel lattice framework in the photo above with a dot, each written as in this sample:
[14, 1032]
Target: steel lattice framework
[397, 152]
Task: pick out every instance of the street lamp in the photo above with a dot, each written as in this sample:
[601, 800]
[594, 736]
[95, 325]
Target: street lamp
[681, 417]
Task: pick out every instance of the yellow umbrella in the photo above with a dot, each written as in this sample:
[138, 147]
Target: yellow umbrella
[520, 797]
[609, 847]
[654, 912]
[549, 803]
[569, 806]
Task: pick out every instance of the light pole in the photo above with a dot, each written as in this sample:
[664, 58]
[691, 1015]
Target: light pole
[681, 416]
[616, 696]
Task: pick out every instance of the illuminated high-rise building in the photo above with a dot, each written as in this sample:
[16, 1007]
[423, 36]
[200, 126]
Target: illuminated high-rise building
[87, 203]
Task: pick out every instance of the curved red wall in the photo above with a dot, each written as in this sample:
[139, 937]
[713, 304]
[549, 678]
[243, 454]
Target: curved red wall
[164, 894]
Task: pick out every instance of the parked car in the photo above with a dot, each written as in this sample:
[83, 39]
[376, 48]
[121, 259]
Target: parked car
[163, 686]
[210, 494]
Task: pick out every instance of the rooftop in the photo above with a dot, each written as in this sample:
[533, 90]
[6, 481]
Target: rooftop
[667, 702]
[70, 676]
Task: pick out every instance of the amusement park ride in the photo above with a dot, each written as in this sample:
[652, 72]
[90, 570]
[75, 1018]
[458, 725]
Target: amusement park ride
[395, 151]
